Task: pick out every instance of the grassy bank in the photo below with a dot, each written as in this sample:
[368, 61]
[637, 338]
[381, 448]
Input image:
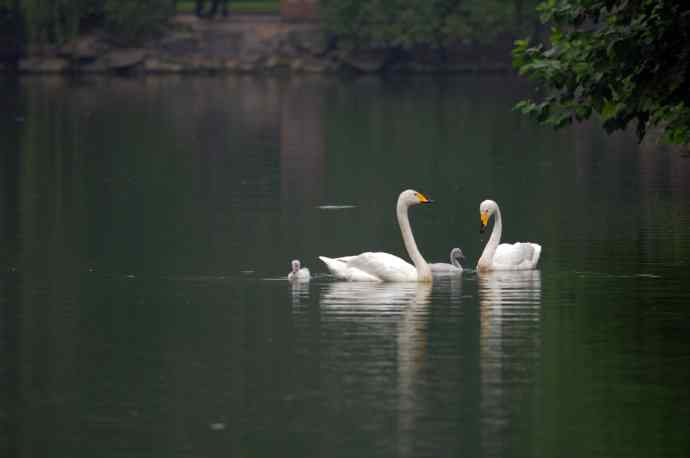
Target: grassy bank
[256, 6]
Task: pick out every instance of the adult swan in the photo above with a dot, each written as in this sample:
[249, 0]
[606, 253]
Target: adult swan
[506, 256]
[383, 266]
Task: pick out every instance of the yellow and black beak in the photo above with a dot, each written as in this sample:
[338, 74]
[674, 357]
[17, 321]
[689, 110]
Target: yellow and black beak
[484, 216]
[423, 199]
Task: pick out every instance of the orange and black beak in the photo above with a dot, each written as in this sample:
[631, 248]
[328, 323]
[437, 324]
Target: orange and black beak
[484, 216]
[423, 199]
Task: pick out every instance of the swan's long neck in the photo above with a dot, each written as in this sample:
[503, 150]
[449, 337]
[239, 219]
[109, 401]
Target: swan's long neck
[455, 260]
[487, 257]
[423, 269]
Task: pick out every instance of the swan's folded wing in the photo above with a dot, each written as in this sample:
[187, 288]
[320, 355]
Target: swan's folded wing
[337, 267]
[536, 253]
[514, 254]
[343, 271]
[384, 266]
[346, 259]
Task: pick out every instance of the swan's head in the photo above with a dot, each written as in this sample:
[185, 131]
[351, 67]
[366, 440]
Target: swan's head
[410, 197]
[296, 265]
[456, 254]
[486, 209]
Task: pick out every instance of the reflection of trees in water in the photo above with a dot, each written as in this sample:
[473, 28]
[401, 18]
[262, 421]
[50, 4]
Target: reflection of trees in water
[225, 131]
[302, 142]
[108, 174]
[510, 307]
[302, 162]
[157, 157]
[638, 190]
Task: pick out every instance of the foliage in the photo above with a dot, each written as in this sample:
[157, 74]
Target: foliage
[410, 23]
[237, 6]
[57, 21]
[625, 60]
[11, 30]
[51, 20]
[132, 20]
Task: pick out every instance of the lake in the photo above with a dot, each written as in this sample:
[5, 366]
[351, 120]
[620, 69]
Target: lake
[147, 226]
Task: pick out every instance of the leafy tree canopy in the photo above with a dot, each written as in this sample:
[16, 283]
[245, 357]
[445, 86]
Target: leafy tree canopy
[626, 60]
[409, 23]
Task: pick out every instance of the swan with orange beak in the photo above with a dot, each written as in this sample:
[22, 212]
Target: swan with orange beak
[379, 266]
[504, 256]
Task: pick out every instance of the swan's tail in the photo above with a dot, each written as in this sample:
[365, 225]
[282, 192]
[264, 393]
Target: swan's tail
[326, 260]
[536, 254]
[335, 266]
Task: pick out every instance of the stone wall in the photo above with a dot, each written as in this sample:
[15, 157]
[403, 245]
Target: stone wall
[249, 44]
[192, 45]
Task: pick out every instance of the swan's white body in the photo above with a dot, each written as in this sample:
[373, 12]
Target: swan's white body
[453, 268]
[504, 256]
[378, 266]
[299, 274]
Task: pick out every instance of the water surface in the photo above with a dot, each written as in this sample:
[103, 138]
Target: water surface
[145, 225]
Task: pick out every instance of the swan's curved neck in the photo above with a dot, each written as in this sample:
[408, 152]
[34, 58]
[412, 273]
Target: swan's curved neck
[490, 249]
[423, 269]
[455, 261]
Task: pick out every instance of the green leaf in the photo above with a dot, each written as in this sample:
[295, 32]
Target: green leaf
[626, 60]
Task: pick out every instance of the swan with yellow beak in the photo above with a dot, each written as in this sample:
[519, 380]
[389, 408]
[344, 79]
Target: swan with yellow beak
[378, 266]
[504, 256]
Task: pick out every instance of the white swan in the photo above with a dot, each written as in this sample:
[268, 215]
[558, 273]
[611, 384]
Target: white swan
[506, 256]
[454, 267]
[383, 266]
[298, 273]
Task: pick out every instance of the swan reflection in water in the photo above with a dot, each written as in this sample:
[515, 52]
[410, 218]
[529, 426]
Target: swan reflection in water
[299, 292]
[372, 297]
[510, 307]
[390, 315]
[396, 313]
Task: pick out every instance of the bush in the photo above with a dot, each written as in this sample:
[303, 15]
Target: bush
[410, 23]
[134, 20]
[58, 21]
[11, 31]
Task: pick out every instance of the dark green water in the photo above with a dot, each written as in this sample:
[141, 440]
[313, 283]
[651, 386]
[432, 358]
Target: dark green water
[144, 224]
